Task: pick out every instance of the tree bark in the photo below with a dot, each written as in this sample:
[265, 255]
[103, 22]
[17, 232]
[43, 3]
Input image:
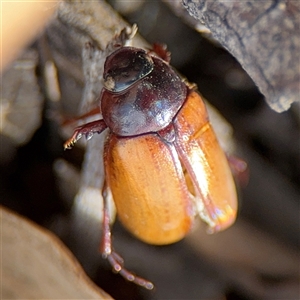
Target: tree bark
[264, 37]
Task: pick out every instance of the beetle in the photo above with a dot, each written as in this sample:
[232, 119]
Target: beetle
[163, 163]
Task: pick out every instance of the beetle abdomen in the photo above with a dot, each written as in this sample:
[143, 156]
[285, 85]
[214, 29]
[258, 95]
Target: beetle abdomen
[148, 187]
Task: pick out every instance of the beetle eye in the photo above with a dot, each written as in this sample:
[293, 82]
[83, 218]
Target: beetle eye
[124, 67]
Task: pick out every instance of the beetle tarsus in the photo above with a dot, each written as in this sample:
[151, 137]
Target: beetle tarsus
[118, 258]
[70, 142]
[114, 261]
[117, 263]
[137, 280]
[88, 130]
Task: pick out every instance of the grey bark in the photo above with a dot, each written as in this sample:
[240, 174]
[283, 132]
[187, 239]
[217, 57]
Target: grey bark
[264, 37]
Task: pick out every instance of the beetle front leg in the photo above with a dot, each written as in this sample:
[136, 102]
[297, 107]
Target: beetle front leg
[115, 260]
[88, 130]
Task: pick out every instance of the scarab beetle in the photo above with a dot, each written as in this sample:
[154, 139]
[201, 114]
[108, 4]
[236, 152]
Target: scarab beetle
[163, 163]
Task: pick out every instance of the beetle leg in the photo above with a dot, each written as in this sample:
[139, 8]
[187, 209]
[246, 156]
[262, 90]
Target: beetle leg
[115, 260]
[93, 112]
[88, 130]
[161, 51]
[239, 169]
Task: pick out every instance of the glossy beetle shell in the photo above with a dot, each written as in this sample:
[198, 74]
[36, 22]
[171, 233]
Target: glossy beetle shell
[149, 102]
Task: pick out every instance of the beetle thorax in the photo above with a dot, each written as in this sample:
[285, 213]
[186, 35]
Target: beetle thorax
[141, 96]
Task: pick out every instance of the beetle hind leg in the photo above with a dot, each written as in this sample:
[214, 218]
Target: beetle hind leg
[115, 260]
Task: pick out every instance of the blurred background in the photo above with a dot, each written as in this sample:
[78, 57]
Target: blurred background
[257, 259]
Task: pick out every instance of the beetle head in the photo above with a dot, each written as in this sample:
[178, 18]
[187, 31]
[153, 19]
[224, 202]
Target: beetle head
[126, 66]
